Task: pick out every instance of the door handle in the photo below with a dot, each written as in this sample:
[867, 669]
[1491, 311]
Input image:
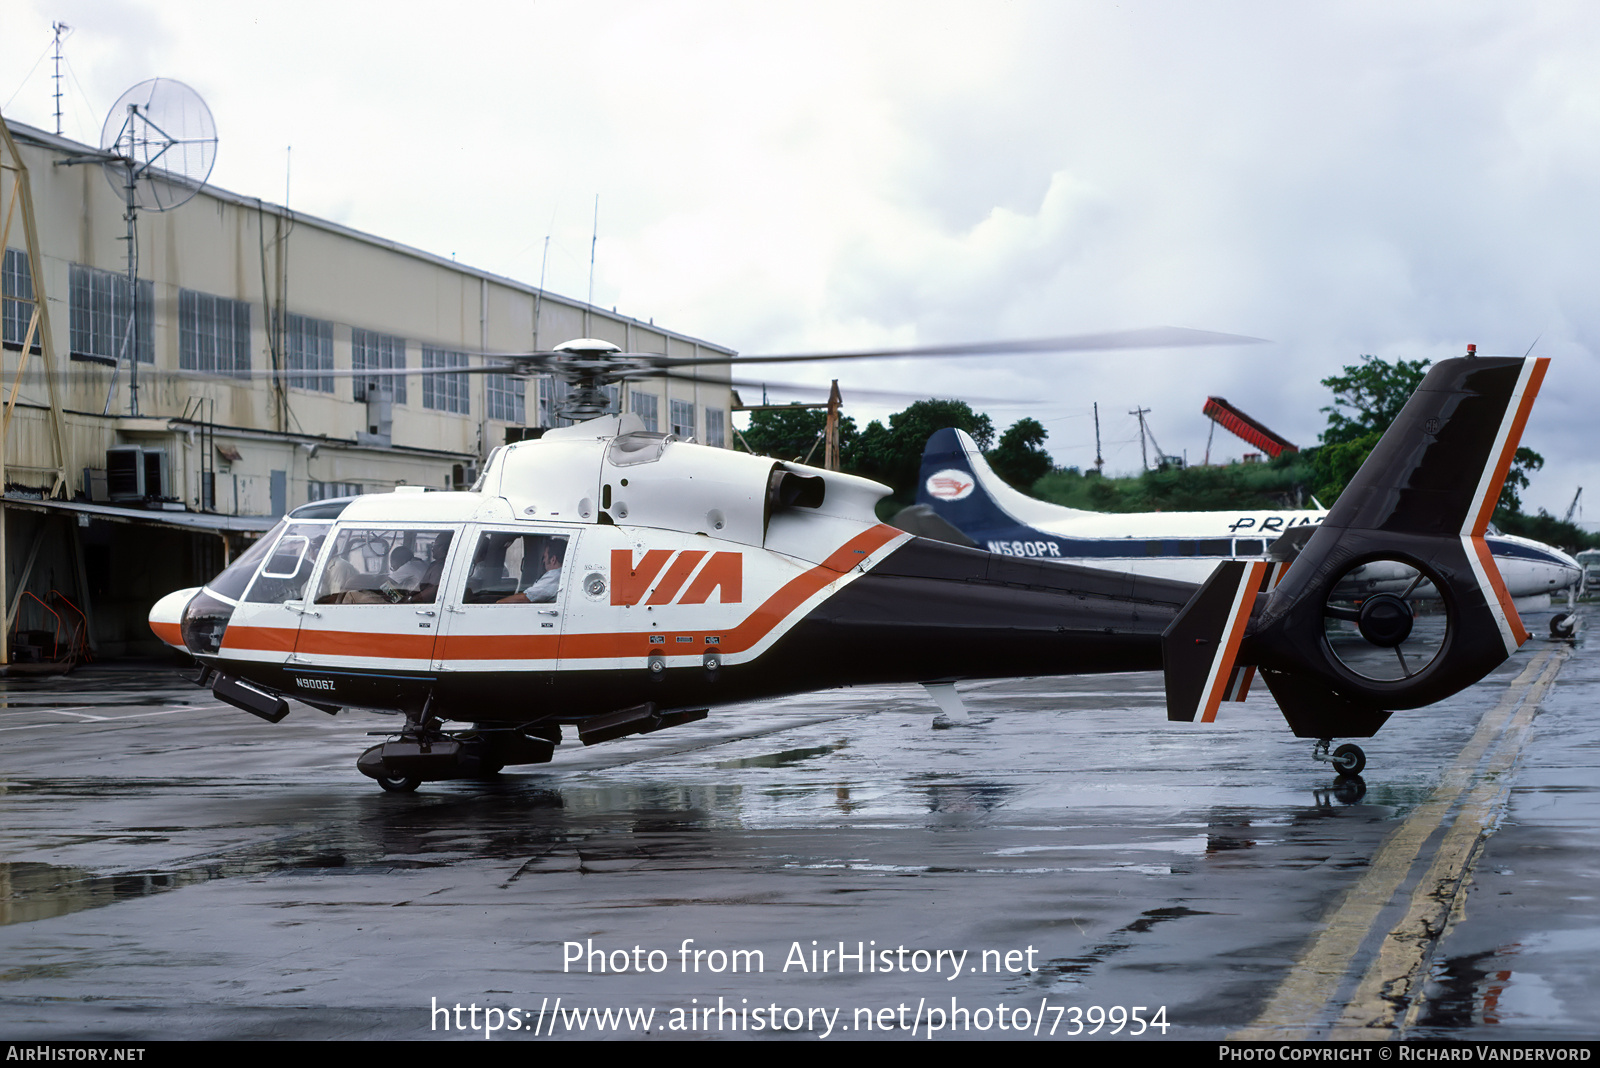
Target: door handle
[425, 612]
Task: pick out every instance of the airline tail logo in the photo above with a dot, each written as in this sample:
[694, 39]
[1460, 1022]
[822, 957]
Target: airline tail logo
[723, 574]
[951, 485]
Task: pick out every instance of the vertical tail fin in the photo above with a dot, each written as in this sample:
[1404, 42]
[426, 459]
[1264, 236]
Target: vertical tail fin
[1421, 501]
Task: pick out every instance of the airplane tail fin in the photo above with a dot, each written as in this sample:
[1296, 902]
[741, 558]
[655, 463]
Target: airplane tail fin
[959, 487]
[1337, 641]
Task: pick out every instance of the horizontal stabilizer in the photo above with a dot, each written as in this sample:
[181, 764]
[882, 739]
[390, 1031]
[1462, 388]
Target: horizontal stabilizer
[1199, 649]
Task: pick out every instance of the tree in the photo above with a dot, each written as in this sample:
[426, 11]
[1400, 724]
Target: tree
[789, 433]
[893, 454]
[1374, 390]
[1020, 458]
[1366, 399]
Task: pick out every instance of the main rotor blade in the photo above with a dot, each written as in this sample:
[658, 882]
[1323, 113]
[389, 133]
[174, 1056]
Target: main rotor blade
[849, 393]
[1161, 337]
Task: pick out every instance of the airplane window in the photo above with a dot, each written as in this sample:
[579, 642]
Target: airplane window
[515, 569]
[1213, 547]
[384, 567]
[283, 577]
[1248, 547]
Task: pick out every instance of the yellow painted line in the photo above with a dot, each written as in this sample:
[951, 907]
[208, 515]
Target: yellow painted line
[1300, 1007]
[1396, 977]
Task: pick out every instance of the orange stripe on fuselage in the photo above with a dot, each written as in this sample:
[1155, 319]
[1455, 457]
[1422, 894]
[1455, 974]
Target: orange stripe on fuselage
[610, 645]
[171, 633]
[259, 639]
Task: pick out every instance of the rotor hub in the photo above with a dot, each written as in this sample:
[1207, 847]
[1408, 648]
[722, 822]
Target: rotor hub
[1385, 620]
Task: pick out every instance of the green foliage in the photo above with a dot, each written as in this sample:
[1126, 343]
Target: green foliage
[791, 433]
[1020, 458]
[1335, 464]
[1374, 391]
[893, 454]
[1279, 484]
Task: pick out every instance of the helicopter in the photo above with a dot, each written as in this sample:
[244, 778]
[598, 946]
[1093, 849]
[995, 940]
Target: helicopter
[617, 581]
[961, 499]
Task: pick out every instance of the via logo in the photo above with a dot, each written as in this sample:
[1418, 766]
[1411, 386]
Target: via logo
[950, 485]
[723, 574]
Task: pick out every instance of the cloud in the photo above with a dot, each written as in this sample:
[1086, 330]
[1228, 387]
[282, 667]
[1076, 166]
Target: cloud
[1350, 178]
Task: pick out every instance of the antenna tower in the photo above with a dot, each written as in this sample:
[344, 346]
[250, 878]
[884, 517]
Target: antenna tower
[60, 28]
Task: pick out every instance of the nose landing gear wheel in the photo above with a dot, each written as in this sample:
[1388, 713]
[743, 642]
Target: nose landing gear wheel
[399, 784]
[1348, 760]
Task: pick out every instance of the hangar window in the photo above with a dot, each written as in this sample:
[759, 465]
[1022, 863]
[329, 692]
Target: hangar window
[17, 286]
[682, 418]
[715, 435]
[647, 406]
[308, 346]
[370, 350]
[444, 392]
[101, 311]
[213, 333]
[504, 395]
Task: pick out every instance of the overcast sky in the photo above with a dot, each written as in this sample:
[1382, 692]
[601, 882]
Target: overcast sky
[1340, 178]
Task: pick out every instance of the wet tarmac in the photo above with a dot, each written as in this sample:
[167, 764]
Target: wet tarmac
[829, 866]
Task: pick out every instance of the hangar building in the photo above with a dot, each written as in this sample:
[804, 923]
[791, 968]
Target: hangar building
[113, 499]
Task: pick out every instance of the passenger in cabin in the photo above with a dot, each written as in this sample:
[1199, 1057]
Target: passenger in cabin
[543, 589]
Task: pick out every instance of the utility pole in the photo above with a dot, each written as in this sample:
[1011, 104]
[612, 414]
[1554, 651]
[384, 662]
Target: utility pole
[1144, 455]
[830, 452]
[1099, 461]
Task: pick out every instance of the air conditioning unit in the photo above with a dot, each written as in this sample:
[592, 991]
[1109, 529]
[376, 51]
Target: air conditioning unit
[137, 473]
[380, 418]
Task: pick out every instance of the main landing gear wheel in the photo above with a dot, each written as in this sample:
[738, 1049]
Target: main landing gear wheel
[1348, 761]
[399, 784]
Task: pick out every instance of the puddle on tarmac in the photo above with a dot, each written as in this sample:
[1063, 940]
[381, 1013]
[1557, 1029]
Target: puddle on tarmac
[784, 759]
[30, 891]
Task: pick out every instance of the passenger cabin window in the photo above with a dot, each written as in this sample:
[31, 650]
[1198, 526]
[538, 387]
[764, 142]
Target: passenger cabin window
[288, 567]
[516, 569]
[373, 566]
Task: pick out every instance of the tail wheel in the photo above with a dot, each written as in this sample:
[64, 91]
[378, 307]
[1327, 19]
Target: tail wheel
[1372, 622]
[399, 784]
[1348, 761]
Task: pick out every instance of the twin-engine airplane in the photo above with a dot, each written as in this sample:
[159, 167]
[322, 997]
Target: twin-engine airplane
[619, 582]
[961, 499]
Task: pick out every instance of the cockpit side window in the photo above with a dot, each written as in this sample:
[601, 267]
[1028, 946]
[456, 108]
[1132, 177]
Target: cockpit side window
[233, 580]
[288, 568]
[384, 566]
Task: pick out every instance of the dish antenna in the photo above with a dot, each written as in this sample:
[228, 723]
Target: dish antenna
[159, 144]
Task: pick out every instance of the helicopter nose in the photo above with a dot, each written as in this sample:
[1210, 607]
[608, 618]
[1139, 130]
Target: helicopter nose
[166, 616]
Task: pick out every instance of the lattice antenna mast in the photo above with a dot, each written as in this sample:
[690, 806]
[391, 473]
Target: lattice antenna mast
[61, 29]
